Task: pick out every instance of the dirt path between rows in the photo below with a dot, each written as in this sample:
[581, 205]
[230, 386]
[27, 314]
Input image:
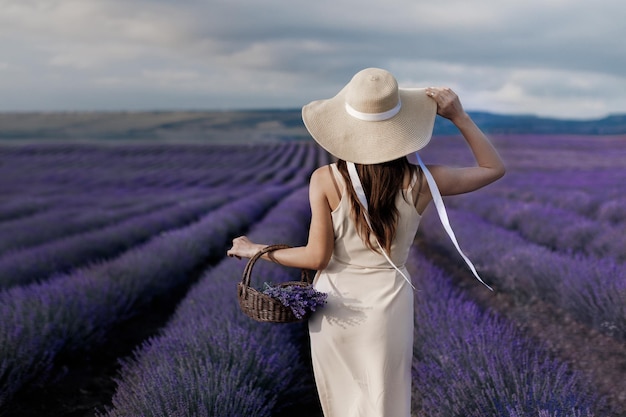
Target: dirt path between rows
[600, 358]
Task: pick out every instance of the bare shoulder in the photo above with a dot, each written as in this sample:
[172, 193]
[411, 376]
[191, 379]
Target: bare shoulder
[321, 170]
[322, 185]
[321, 175]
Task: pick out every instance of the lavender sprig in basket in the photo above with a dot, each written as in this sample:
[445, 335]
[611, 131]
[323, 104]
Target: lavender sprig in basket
[286, 302]
[302, 300]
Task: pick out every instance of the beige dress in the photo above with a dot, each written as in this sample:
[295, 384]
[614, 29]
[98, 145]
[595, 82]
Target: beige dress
[362, 340]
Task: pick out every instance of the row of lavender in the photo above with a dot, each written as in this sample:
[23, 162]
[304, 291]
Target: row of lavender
[579, 174]
[134, 166]
[528, 238]
[592, 290]
[595, 194]
[475, 364]
[231, 347]
[34, 194]
[58, 238]
[36, 178]
[212, 360]
[70, 251]
[556, 228]
[469, 362]
[74, 311]
[70, 307]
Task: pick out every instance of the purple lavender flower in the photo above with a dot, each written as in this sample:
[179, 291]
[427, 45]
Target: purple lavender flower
[300, 299]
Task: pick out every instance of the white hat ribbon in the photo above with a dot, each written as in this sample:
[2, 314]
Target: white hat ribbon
[373, 117]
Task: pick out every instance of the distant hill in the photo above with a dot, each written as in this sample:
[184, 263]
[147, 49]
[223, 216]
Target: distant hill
[249, 125]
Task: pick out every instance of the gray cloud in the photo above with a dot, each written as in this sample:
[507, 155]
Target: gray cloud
[555, 58]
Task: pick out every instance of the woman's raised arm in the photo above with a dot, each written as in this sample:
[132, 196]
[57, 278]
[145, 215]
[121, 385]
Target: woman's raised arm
[490, 166]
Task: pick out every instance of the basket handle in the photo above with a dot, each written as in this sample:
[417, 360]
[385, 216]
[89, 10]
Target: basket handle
[247, 272]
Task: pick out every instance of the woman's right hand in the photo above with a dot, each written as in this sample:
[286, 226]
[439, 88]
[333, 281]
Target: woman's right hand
[244, 248]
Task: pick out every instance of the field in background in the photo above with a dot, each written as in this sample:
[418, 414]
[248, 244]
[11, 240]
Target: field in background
[121, 127]
[243, 126]
[112, 248]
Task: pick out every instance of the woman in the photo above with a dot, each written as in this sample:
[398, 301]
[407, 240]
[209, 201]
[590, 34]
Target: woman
[365, 212]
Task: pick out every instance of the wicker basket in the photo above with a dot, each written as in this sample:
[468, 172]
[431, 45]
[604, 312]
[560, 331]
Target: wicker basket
[262, 307]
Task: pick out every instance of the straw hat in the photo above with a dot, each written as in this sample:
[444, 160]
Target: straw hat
[371, 120]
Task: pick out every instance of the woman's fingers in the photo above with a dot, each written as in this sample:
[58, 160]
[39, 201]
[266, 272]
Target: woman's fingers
[239, 243]
[448, 103]
[243, 248]
[432, 92]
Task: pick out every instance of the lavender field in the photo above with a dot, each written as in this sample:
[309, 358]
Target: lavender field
[116, 298]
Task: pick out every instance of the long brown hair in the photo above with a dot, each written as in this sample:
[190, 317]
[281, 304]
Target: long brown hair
[381, 183]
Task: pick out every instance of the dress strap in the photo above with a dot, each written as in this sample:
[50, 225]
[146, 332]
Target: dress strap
[411, 189]
[332, 175]
[413, 180]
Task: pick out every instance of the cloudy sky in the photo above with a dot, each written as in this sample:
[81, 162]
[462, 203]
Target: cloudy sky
[563, 58]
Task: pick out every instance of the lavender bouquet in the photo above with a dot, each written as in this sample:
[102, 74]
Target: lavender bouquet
[300, 299]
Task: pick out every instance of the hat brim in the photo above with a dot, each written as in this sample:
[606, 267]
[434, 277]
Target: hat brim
[372, 142]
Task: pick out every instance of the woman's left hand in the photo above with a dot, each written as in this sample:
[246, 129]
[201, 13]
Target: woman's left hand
[448, 103]
[244, 248]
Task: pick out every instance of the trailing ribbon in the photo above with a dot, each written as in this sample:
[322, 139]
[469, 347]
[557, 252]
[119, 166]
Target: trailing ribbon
[441, 210]
[443, 215]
